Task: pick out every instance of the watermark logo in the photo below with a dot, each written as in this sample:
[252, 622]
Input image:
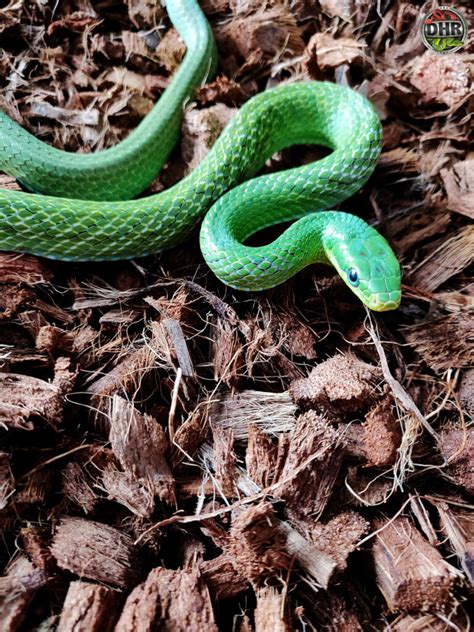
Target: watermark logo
[444, 30]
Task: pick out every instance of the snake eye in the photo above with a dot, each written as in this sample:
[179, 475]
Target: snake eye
[353, 277]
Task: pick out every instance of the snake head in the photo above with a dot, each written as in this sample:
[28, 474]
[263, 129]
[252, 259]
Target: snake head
[365, 262]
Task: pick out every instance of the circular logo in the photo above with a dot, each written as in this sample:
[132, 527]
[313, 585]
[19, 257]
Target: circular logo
[444, 30]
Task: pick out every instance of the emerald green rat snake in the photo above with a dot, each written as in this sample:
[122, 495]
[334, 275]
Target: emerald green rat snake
[80, 210]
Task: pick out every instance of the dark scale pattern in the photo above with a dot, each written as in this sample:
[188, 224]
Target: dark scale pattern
[125, 170]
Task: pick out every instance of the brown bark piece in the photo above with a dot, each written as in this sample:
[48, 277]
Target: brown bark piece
[189, 436]
[227, 353]
[376, 441]
[370, 489]
[440, 78]
[36, 545]
[269, 613]
[64, 375]
[466, 392]
[225, 461]
[271, 412]
[126, 377]
[443, 342]
[450, 257]
[301, 339]
[76, 486]
[139, 443]
[7, 482]
[324, 51]
[57, 341]
[459, 184]
[121, 487]
[316, 563]
[333, 612]
[54, 339]
[410, 573]
[17, 587]
[354, 436]
[201, 129]
[458, 526]
[144, 14]
[256, 544]
[27, 269]
[295, 336]
[260, 34]
[223, 578]
[170, 343]
[89, 608]
[178, 307]
[37, 486]
[411, 232]
[9, 182]
[24, 397]
[95, 551]
[223, 89]
[339, 535]
[457, 447]
[43, 310]
[175, 334]
[268, 337]
[261, 457]
[341, 384]
[170, 51]
[399, 159]
[212, 529]
[15, 298]
[382, 434]
[312, 464]
[430, 623]
[169, 601]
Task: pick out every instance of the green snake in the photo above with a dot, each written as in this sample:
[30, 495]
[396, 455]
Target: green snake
[221, 189]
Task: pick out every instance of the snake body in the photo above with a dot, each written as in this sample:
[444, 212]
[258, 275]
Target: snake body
[234, 205]
[125, 170]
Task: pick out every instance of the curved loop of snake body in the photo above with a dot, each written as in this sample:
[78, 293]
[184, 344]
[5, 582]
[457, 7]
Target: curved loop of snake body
[312, 112]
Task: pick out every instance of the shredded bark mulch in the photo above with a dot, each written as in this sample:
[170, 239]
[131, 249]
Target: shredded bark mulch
[176, 455]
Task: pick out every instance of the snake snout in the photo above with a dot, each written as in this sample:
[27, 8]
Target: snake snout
[384, 302]
[384, 292]
[366, 263]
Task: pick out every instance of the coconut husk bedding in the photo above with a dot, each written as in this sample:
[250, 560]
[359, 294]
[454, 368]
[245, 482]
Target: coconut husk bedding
[177, 455]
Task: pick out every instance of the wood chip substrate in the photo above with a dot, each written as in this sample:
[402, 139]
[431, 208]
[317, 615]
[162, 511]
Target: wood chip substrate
[178, 456]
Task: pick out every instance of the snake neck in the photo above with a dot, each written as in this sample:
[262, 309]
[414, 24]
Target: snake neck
[330, 237]
[244, 267]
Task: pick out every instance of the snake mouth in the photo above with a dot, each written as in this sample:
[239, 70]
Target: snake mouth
[385, 302]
